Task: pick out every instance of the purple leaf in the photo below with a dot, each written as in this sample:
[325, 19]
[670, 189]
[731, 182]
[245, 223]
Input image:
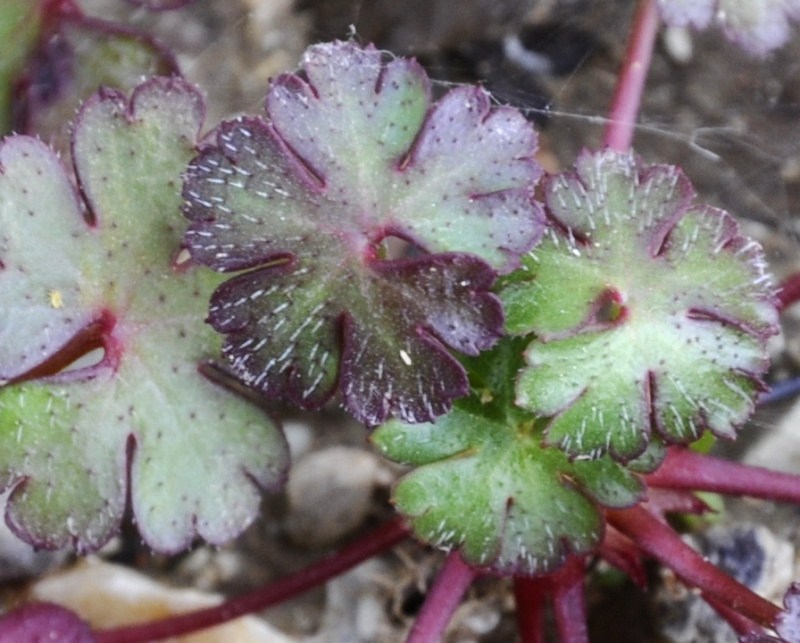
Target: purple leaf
[788, 622]
[757, 26]
[353, 153]
[44, 623]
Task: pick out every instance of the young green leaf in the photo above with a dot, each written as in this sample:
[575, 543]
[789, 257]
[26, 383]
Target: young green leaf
[353, 152]
[483, 482]
[142, 422]
[651, 314]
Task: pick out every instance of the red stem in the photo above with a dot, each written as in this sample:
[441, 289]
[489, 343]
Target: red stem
[621, 552]
[685, 469]
[630, 85]
[662, 543]
[739, 623]
[530, 595]
[53, 11]
[373, 543]
[443, 598]
[789, 291]
[569, 606]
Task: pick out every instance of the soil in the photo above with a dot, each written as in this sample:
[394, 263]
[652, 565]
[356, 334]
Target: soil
[733, 124]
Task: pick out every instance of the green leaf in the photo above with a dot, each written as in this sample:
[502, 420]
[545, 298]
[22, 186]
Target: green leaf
[353, 152]
[483, 482]
[144, 421]
[19, 26]
[650, 313]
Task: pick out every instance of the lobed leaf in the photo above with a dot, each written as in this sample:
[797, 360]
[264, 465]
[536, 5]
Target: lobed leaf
[40, 281]
[144, 421]
[353, 152]
[758, 26]
[483, 482]
[650, 313]
[74, 56]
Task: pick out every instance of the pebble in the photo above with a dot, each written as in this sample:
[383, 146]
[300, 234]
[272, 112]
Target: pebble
[678, 44]
[329, 493]
[109, 595]
[779, 447]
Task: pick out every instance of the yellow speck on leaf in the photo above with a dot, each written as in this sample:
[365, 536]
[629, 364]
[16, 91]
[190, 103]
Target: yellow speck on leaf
[56, 301]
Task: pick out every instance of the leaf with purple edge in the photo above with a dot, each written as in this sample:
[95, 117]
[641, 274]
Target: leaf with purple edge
[757, 26]
[483, 483]
[353, 152]
[144, 422]
[40, 315]
[651, 314]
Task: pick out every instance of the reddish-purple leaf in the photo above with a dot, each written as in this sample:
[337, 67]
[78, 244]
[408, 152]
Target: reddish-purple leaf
[44, 623]
[788, 622]
[352, 153]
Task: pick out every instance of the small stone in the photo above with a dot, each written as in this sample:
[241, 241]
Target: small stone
[329, 494]
[354, 607]
[107, 595]
[299, 436]
[678, 44]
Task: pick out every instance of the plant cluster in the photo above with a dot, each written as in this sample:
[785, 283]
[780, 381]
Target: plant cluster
[541, 351]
